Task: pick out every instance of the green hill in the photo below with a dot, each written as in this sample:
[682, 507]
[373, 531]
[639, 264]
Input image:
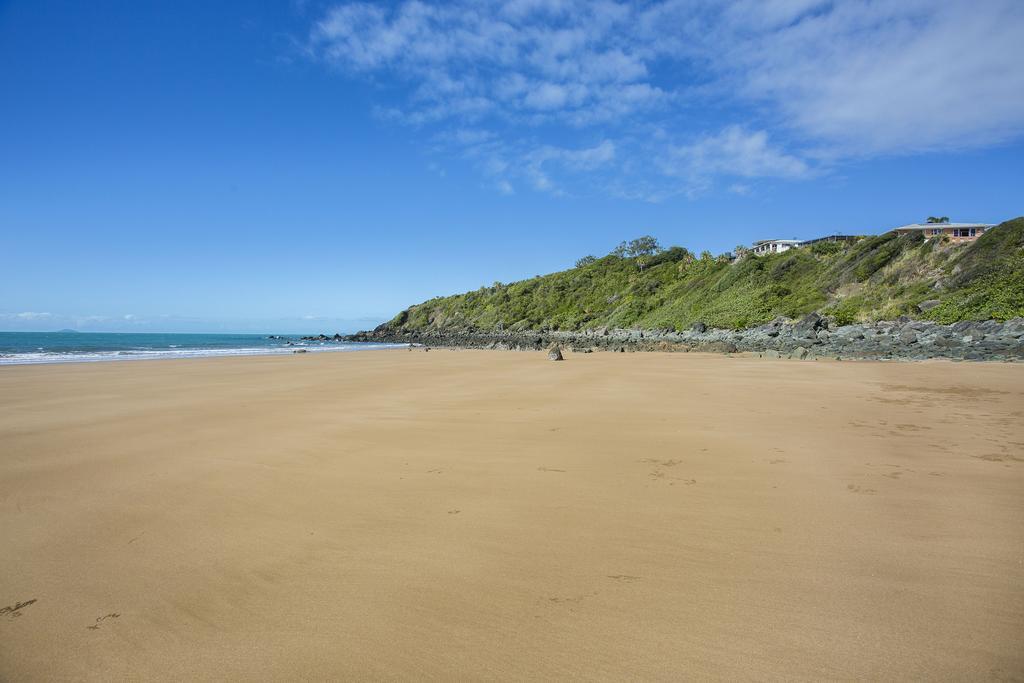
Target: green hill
[874, 278]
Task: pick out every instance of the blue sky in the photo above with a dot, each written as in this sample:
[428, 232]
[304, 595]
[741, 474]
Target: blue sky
[315, 166]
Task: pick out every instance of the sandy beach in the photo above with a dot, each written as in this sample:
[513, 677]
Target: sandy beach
[485, 515]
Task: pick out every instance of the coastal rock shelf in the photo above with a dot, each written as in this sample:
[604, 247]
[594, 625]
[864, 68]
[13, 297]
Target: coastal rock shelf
[811, 336]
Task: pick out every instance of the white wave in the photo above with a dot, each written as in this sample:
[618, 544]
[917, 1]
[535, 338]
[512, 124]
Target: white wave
[157, 354]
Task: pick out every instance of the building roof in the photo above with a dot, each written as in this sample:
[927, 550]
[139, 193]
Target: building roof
[833, 238]
[758, 242]
[926, 226]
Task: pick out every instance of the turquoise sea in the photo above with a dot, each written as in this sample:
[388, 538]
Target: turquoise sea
[17, 348]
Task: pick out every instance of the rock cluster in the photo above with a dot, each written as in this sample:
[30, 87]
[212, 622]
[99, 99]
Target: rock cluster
[321, 337]
[813, 336]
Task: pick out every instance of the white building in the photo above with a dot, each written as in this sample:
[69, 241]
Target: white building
[957, 232]
[773, 246]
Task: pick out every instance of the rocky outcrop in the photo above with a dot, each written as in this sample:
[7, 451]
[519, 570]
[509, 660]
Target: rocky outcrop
[813, 336]
[555, 353]
[322, 338]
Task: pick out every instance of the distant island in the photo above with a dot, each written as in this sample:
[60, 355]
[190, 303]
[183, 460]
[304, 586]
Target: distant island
[644, 296]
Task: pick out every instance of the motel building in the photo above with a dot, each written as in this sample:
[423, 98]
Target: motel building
[762, 247]
[957, 232]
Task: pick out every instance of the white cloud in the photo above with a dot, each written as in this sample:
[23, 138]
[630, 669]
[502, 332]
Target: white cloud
[29, 315]
[584, 159]
[868, 78]
[547, 96]
[734, 151]
[85, 320]
[792, 85]
[464, 58]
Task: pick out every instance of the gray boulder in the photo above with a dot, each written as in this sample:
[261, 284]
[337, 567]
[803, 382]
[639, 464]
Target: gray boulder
[928, 305]
[908, 336]
[808, 326]
[718, 347]
[555, 354]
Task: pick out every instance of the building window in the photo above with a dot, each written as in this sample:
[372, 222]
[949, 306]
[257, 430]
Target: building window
[964, 232]
[935, 231]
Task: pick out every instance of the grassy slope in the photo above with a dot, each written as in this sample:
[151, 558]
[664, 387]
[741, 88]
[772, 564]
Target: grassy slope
[875, 278]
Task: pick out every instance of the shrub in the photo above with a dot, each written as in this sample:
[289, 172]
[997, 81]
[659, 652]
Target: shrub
[827, 248]
[883, 276]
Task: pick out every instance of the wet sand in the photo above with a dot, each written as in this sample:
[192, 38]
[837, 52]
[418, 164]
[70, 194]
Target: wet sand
[488, 515]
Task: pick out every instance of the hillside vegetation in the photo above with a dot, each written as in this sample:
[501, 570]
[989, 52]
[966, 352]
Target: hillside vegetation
[875, 278]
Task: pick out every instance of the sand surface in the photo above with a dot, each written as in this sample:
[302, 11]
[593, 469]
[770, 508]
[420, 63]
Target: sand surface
[488, 515]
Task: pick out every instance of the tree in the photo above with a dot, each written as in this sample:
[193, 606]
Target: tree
[938, 219]
[585, 261]
[643, 246]
[621, 251]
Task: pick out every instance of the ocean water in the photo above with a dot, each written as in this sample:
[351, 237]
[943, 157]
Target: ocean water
[18, 348]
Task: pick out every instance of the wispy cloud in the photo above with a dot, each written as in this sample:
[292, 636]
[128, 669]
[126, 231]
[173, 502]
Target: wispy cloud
[26, 315]
[557, 93]
[733, 151]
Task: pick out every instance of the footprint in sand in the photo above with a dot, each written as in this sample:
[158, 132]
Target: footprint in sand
[548, 469]
[912, 427]
[100, 620]
[454, 512]
[996, 457]
[854, 488]
[662, 463]
[624, 577]
[572, 600]
[658, 474]
[14, 611]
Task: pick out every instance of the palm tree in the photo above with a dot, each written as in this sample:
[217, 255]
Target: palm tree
[938, 219]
